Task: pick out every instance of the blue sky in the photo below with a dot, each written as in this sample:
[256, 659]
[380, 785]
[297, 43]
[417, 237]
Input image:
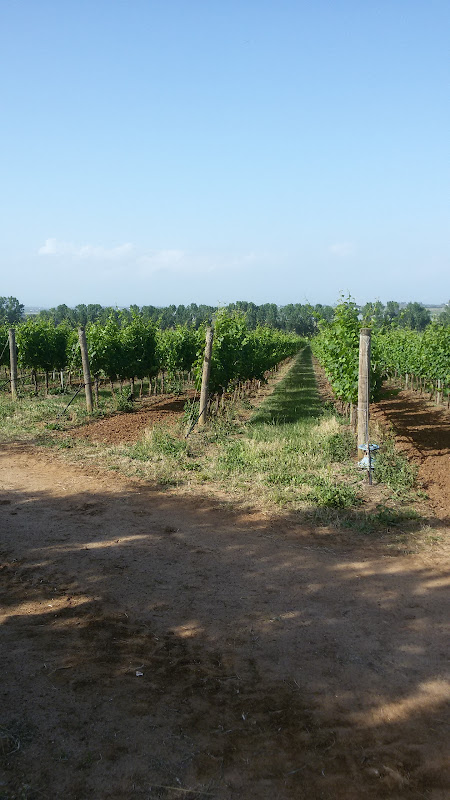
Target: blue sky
[186, 151]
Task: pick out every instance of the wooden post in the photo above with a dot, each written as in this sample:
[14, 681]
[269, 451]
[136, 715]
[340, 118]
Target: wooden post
[205, 378]
[86, 369]
[364, 386]
[13, 362]
[352, 417]
[439, 392]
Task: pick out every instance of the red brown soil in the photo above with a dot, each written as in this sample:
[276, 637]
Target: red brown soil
[130, 427]
[156, 646]
[422, 432]
[166, 410]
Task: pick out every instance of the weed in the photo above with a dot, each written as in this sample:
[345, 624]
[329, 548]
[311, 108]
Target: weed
[339, 446]
[232, 459]
[393, 469]
[191, 412]
[157, 442]
[65, 444]
[123, 400]
[334, 495]
[164, 442]
[382, 520]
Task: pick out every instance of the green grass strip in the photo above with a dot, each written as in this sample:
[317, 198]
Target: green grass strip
[295, 399]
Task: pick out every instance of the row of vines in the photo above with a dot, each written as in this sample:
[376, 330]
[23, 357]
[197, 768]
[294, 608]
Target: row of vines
[421, 359]
[137, 349]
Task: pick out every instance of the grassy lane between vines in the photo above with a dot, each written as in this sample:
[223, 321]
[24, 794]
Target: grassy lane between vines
[293, 456]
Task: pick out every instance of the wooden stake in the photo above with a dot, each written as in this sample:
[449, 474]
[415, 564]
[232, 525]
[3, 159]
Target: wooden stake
[364, 386]
[86, 369]
[13, 362]
[205, 378]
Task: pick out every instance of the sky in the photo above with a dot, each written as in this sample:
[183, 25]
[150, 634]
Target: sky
[200, 151]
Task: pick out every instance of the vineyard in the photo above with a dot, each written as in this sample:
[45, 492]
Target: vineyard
[233, 613]
[420, 359]
[137, 349]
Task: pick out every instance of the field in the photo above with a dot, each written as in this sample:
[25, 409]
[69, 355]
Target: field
[219, 633]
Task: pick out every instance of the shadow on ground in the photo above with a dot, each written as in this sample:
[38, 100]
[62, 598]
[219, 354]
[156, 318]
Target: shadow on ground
[156, 647]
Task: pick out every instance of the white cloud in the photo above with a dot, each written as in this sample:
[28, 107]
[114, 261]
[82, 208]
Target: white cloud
[162, 259]
[125, 258]
[175, 261]
[342, 249]
[87, 252]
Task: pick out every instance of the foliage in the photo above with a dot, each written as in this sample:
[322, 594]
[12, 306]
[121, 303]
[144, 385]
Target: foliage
[123, 401]
[329, 493]
[105, 349]
[444, 316]
[178, 347]
[337, 348]
[4, 345]
[11, 311]
[137, 346]
[425, 355]
[42, 345]
[240, 354]
[393, 469]
[414, 316]
[296, 318]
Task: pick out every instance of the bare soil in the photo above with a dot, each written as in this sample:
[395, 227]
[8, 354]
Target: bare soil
[129, 427]
[422, 432]
[159, 646]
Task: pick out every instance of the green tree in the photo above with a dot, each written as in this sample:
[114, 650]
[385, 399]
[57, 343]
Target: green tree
[415, 316]
[11, 311]
[444, 316]
[391, 312]
[373, 315]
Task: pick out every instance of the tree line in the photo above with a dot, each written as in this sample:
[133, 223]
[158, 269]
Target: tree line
[300, 318]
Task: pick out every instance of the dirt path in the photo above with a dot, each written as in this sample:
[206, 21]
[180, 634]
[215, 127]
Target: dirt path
[154, 646]
[422, 431]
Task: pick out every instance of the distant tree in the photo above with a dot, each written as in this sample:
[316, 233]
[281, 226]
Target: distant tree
[415, 316]
[323, 312]
[391, 312]
[444, 316]
[94, 312]
[298, 318]
[373, 314]
[167, 317]
[11, 311]
[267, 314]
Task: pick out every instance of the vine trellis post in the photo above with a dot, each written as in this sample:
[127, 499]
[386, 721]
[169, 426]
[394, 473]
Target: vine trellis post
[13, 362]
[205, 377]
[363, 386]
[86, 369]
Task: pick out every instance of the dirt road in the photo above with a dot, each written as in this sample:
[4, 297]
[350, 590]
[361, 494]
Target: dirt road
[156, 646]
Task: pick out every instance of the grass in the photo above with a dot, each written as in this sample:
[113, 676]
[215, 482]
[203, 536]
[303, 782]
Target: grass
[294, 455]
[393, 469]
[289, 447]
[31, 416]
